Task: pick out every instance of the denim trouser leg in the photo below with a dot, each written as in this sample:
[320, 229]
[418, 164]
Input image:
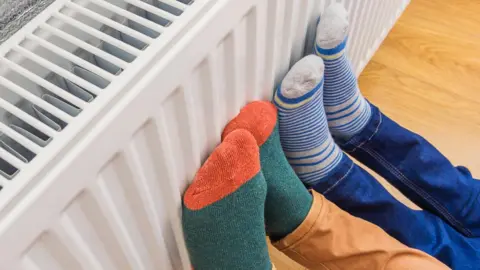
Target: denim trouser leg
[357, 192]
[419, 171]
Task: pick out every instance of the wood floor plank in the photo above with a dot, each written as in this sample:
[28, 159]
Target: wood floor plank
[456, 19]
[450, 122]
[426, 76]
[433, 59]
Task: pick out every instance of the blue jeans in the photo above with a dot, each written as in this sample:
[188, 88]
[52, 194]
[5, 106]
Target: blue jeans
[448, 225]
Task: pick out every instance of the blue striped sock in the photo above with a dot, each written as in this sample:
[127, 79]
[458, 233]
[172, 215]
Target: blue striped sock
[303, 126]
[347, 110]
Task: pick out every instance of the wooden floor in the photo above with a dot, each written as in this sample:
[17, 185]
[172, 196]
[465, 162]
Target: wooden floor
[426, 76]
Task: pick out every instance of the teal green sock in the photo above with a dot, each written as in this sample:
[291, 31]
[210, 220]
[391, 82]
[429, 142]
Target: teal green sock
[288, 201]
[223, 209]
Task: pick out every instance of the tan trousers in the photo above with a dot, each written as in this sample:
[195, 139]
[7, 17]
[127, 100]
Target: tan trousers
[330, 238]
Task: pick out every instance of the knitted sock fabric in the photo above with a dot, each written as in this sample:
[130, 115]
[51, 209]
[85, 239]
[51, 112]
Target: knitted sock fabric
[223, 208]
[304, 133]
[347, 110]
[288, 201]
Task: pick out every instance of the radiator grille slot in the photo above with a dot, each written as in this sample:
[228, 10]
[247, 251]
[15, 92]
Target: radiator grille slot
[53, 74]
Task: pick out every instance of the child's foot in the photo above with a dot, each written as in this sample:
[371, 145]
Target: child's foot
[304, 133]
[347, 110]
[288, 201]
[223, 208]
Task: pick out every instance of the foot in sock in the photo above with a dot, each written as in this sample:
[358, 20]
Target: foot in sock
[347, 110]
[223, 208]
[288, 201]
[304, 132]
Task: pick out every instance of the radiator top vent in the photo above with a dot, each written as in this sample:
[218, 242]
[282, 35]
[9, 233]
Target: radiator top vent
[54, 73]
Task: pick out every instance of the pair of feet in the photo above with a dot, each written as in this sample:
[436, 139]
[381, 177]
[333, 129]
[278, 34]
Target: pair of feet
[247, 183]
[318, 98]
[245, 187]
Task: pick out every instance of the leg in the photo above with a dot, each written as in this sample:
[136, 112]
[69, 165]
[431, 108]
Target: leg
[420, 171]
[305, 139]
[357, 192]
[405, 159]
[326, 236]
[330, 238]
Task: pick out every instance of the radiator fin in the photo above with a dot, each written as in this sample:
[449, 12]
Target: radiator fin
[45, 83]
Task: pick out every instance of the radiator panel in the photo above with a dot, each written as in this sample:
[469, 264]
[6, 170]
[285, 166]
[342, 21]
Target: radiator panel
[113, 201]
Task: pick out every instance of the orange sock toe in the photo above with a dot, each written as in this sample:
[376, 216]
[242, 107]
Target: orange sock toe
[235, 161]
[258, 117]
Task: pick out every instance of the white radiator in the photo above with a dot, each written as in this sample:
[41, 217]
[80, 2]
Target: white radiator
[108, 108]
